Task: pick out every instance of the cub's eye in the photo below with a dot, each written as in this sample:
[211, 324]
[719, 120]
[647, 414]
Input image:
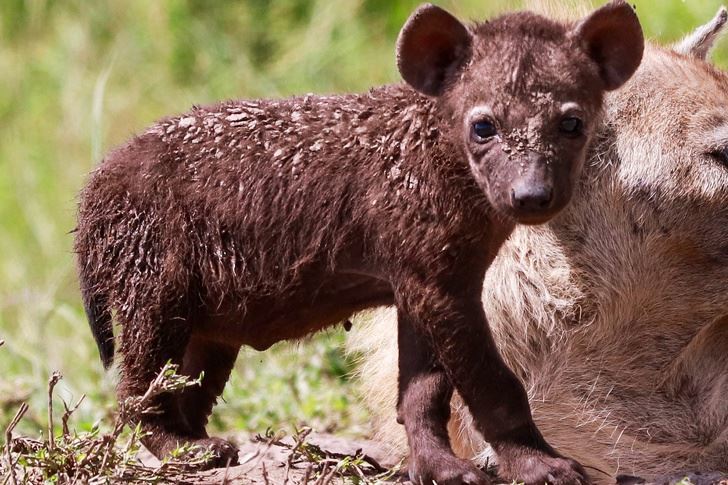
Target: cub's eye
[483, 130]
[571, 126]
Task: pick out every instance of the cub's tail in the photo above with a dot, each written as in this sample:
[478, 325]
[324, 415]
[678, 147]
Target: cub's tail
[99, 319]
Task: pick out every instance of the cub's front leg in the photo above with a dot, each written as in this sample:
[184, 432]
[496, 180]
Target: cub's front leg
[423, 407]
[449, 317]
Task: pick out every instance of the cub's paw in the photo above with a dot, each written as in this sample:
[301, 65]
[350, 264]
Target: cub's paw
[536, 467]
[443, 468]
[223, 452]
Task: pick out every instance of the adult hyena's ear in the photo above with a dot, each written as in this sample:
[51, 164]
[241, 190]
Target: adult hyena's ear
[612, 37]
[431, 47]
[699, 43]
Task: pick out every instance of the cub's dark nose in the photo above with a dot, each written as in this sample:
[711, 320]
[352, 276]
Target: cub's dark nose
[531, 197]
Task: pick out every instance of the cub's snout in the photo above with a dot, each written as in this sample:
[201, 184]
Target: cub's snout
[536, 188]
[531, 197]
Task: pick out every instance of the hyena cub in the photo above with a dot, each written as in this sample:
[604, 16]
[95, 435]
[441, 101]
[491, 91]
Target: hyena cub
[251, 222]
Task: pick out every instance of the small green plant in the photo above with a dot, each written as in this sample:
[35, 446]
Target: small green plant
[101, 457]
[322, 466]
[685, 481]
[96, 457]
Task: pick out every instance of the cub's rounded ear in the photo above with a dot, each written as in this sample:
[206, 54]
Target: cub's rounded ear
[431, 46]
[612, 37]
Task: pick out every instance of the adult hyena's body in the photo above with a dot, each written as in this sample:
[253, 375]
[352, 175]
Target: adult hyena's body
[614, 314]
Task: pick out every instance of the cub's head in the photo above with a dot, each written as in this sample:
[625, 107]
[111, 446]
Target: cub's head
[522, 94]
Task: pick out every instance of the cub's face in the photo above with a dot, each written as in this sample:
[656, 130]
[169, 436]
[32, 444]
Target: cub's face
[526, 107]
[522, 95]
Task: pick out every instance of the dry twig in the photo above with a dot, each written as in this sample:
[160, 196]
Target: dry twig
[55, 377]
[9, 440]
[68, 412]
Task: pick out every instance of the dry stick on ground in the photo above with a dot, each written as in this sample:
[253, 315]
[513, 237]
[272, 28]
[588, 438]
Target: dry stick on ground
[307, 474]
[270, 440]
[320, 479]
[67, 414]
[265, 476]
[110, 441]
[250, 457]
[359, 472]
[227, 471]
[55, 377]
[9, 438]
[330, 476]
[300, 438]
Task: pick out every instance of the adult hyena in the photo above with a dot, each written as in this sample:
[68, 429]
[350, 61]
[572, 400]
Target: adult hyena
[615, 314]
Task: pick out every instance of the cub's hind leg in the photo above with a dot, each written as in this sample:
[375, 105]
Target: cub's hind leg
[152, 335]
[216, 361]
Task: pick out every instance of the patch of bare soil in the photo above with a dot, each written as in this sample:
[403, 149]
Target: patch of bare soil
[320, 459]
[313, 459]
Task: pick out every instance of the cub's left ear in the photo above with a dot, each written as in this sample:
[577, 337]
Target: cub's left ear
[612, 37]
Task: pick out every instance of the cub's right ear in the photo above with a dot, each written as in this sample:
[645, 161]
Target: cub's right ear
[432, 45]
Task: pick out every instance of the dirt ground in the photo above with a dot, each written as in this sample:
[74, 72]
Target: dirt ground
[274, 462]
[268, 461]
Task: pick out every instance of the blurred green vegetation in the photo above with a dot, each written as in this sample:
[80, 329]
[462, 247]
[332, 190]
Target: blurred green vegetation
[78, 77]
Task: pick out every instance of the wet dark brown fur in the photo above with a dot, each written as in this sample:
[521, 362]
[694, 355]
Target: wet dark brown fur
[251, 222]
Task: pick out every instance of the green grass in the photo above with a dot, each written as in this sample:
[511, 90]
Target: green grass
[78, 77]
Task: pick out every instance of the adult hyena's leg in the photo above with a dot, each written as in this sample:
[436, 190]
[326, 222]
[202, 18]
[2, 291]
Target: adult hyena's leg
[699, 377]
[216, 361]
[424, 409]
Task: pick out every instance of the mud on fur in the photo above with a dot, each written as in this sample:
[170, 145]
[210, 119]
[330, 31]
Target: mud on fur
[251, 222]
